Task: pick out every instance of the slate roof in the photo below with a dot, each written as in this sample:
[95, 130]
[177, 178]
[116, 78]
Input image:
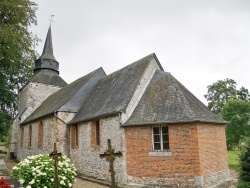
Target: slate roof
[166, 100]
[50, 79]
[69, 98]
[113, 93]
[48, 47]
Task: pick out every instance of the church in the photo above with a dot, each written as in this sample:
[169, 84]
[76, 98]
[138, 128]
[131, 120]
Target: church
[167, 137]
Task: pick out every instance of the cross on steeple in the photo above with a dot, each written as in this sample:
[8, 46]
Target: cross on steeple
[51, 18]
[55, 156]
[110, 155]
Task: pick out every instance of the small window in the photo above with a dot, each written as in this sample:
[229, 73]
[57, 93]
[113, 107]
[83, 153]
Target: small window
[97, 132]
[160, 138]
[40, 134]
[30, 136]
[74, 136]
[22, 135]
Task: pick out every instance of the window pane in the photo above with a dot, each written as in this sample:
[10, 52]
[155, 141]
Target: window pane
[164, 130]
[157, 146]
[156, 130]
[166, 146]
[156, 138]
[165, 138]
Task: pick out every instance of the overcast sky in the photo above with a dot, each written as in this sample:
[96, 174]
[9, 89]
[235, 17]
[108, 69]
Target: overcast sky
[197, 41]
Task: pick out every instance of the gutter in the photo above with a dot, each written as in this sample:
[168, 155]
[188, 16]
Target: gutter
[173, 122]
[96, 117]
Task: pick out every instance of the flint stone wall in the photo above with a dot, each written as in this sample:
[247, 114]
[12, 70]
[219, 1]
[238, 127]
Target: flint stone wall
[54, 131]
[86, 155]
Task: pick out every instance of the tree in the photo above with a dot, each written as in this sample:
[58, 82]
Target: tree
[244, 170]
[237, 113]
[243, 94]
[17, 52]
[5, 121]
[220, 92]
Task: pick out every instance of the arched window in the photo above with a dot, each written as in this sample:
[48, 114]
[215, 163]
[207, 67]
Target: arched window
[40, 134]
[30, 136]
[22, 135]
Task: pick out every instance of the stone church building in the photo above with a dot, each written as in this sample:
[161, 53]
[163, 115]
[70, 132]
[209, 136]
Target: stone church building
[166, 135]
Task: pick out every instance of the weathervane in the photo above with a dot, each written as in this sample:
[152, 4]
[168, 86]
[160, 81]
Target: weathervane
[51, 17]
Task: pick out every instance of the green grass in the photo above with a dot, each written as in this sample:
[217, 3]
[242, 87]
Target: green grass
[233, 158]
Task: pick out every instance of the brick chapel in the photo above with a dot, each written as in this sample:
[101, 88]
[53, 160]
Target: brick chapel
[167, 137]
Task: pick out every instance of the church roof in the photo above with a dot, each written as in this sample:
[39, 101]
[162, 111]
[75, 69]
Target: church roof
[166, 100]
[113, 93]
[69, 98]
[51, 79]
[48, 47]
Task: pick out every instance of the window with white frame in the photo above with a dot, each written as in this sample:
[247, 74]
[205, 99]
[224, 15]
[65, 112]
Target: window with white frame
[160, 138]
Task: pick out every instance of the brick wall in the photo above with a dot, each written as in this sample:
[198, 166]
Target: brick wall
[213, 153]
[184, 162]
[187, 164]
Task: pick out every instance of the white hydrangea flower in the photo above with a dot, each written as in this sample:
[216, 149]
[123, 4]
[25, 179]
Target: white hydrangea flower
[32, 182]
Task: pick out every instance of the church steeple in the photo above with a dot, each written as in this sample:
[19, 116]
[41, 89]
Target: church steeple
[47, 63]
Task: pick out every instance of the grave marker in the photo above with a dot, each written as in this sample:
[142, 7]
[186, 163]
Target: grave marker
[110, 156]
[55, 156]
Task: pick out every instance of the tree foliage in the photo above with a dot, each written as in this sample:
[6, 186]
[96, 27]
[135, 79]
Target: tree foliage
[220, 92]
[17, 52]
[237, 113]
[244, 172]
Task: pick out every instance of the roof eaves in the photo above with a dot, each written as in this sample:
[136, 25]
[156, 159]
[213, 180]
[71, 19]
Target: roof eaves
[173, 122]
[95, 117]
[35, 119]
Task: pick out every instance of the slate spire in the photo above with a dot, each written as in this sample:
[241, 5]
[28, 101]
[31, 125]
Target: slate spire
[47, 63]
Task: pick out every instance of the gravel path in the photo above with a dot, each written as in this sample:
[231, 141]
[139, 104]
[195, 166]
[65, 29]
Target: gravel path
[86, 184]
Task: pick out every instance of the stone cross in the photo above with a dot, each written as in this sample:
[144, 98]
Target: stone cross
[55, 156]
[110, 155]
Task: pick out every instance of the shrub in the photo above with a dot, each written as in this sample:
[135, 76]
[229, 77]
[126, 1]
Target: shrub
[244, 173]
[39, 171]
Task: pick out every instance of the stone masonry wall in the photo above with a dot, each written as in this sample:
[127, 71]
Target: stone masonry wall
[32, 96]
[86, 155]
[179, 166]
[54, 130]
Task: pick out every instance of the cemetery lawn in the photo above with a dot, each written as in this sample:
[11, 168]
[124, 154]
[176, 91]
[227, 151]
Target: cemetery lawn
[233, 158]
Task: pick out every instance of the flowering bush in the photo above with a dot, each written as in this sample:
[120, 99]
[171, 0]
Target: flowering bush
[39, 171]
[4, 184]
